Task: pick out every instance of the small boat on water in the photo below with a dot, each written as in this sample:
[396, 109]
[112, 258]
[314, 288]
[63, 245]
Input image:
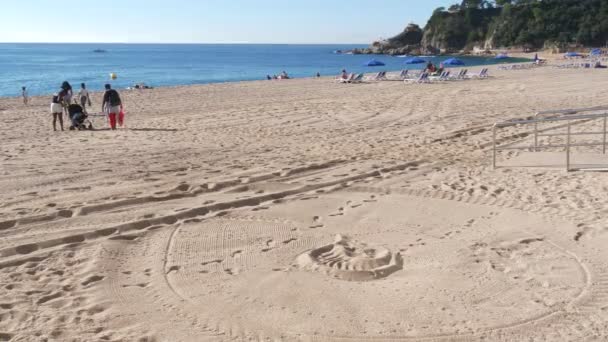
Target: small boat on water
[99, 51]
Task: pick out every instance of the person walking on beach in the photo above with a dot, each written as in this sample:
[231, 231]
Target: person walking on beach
[84, 97]
[57, 112]
[111, 105]
[24, 95]
[65, 96]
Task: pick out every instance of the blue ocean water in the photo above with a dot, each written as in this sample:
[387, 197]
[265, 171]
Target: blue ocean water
[43, 67]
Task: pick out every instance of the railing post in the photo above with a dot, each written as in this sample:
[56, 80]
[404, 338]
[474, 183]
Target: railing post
[604, 146]
[568, 149]
[494, 147]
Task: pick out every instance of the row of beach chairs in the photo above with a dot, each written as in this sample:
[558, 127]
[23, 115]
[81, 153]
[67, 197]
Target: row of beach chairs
[464, 74]
[409, 77]
[576, 65]
[525, 66]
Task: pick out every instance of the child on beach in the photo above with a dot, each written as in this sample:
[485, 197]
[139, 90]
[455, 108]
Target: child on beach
[57, 112]
[24, 95]
[84, 97]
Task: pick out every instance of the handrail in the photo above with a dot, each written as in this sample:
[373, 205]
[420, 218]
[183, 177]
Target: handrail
[568, 117]
[564, 118]
[570, 111]
[567, 112]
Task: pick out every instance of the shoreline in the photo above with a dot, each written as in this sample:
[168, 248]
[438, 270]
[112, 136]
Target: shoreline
[376, 70]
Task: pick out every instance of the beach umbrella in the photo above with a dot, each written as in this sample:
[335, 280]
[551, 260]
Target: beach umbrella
[501, 56]
[572, 54]
[596, 52]
[374, 62]
[414, 60]
[453, 61]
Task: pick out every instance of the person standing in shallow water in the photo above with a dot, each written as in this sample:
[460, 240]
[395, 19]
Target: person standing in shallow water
[111, 105]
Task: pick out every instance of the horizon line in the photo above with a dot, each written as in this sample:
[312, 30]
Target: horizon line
[184, 43]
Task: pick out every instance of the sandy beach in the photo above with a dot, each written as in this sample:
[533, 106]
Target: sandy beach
[303, 210]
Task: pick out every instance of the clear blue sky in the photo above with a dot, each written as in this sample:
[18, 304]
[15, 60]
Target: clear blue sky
[210, 21]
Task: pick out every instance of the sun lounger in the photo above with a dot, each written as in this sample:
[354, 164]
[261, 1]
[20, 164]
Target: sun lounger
[346, 80]
[482, 74]
[401, 77]
[357, 79]
[462, 75]
[443, 77]
[423, 78]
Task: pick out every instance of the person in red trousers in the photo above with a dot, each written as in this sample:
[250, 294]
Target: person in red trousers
[111, 105]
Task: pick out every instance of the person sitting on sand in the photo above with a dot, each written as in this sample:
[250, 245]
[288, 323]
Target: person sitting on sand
[598, 65]
[439, 71]
[268, 77]
[57, 112]
[142, 86]
[274, 77]
[318, 75]
[344, 75]
[284, 76]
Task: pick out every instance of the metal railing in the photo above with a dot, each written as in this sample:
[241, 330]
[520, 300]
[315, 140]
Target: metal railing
[567, 116]
[564, 112]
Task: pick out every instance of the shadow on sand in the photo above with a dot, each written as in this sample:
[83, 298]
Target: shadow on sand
[154, 129]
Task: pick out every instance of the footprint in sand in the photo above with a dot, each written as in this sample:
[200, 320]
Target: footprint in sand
[173, 269]
[216, 261]
[92, 279]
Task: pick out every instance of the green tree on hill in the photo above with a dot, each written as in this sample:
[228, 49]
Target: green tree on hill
[505, 23]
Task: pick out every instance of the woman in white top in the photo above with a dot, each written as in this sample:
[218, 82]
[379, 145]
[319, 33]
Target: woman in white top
[57, 112]
[84, 96]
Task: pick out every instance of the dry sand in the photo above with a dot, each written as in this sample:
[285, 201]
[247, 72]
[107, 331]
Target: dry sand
[303, 210]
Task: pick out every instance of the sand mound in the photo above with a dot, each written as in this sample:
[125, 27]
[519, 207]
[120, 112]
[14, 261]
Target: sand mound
[351, 260]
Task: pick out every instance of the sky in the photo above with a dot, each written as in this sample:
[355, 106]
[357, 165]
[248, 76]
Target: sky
[210, 21]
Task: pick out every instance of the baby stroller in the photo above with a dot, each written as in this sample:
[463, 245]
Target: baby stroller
[79, 118]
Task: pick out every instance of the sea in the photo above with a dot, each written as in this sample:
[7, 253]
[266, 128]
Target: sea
[43, 67]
